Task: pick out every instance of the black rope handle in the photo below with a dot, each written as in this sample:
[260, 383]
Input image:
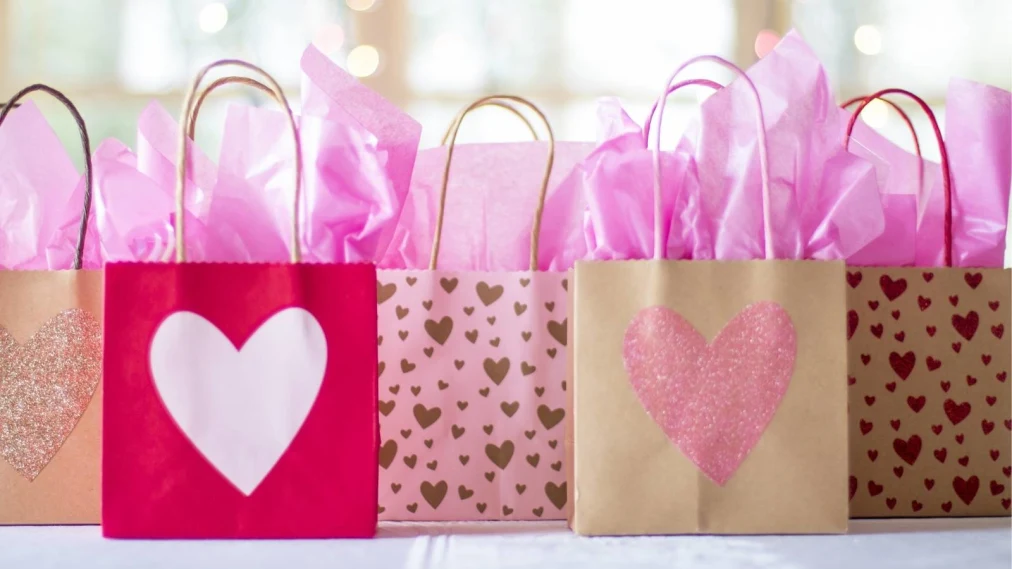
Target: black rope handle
[12, 104]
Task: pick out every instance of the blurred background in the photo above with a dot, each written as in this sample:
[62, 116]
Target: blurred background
[432, 57]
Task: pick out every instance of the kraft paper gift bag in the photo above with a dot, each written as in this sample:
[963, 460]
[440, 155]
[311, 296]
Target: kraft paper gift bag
[241, 398]
[929, 354]
[708, 396]
[50, 326]
[472, 381]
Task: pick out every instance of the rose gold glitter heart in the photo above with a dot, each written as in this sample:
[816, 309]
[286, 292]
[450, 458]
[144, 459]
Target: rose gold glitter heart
[45, 387]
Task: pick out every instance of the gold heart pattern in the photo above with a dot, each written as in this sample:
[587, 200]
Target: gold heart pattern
[45, 386]
[483, 365]
[929, 392]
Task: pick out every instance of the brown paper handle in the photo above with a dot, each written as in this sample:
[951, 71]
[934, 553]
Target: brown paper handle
[502, 105]
[186, 119]
[85, 143]
[536, 229]
[221, 82]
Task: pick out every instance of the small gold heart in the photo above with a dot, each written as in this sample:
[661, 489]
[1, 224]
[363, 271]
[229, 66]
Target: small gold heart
[551, 352]
[549, 417]
[386, 407]
[565, 284]
[434, 494]
[553, 443]
[487, 429]
[521, 488]
[525, 282]
[395, 487]
[431, 465]
[509, 409]
[488, 294]
[387, 453]
[464, 458]
[442, 385]
[427, 304]
[469, 310]
[558, 330]
[428, 351]
[403, 334]
[483, 391]
[406, 366]
[416, 389]
[489, 476]
[527, 369]
[496, 370]
[556, 494]
[379, 341]
[538, 511]
[457, 431]
[405, 433]
[494, 342]
[472, 336]
[533, 459]
[428, 443]
[401, 312]
[530, 434]
[464, 492]
[539, 391]
[550, 306]
[519, 308]
[500, 455]
[506, 510]
[557, 466]
[439, 331]
[458, 364]
[411, 460]
[526, 336]
[491, 320]
[448, 284]
[394, 389]
[481, 507]
[384, 292]
[411, 280]
[413, 507]
[426, 417]
[461, 405]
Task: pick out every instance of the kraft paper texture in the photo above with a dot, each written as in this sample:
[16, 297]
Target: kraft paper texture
[67, 489]
[627, 476]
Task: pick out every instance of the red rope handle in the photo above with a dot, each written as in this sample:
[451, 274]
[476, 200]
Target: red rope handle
[946, 178]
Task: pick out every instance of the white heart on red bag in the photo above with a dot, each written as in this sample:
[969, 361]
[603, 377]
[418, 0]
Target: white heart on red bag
[241, 408]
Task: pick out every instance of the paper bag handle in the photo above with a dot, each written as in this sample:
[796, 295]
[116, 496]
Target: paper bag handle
[502, 105]
[701, 82]
[186, 119]
[946, 180]
[85, 143]
[536, 229]
[221, 82]
[913, 134]
[764, 166]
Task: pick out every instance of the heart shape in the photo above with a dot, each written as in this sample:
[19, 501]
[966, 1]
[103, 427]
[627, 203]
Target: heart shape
[241, 408]
[45, 386]
[712, 400]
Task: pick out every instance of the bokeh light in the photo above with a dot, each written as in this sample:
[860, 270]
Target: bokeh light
[363, 60]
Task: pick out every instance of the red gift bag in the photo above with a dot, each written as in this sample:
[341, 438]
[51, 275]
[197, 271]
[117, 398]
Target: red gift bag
[240, 398]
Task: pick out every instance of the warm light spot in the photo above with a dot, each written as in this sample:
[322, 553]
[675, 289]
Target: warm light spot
[213, 18]
[868, 40]
[765, 41]
[363, 61]
[876, 114]
[361, 5]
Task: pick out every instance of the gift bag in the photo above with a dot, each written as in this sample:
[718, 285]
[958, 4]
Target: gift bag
[929, 357]
[708, 396]
[50, 327]
[241, 399]
[472, 381]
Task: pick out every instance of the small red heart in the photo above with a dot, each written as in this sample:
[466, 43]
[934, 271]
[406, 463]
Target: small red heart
[853, 487]
[866, 427]
[954, 299]
[998, 331]
[956, 412]
[916, 506]
[996, 488]
[874, 489]
[869, 400]
[865, 358]
[854, 279]
[987, 426]
[933, 364]
[852, 321]
[945, 386]
[872, 455]
[902, 365]
[937, 429]
[929, 483]
[947, 507]
[900, 336]
[1002, 376]
[994, 304]
[924, 303]
[896, 314]
[895, 423]
[916, 403]
[1008, 424]
[966, 489]
[908, 450]
[892, 288]
[973, 279]
[891, 503]
[965, 461]
[930, 330]
[928, 276]
[959, 438]
[851, 380]
[970, 380]
[877, 330]
[891, 386]
[991, 400]
[940, 454]
[898, 471]
[956, 346]
[873, 304]
[966, 326]
[1006, 502]
[995, 453]
[986, 358]
[1007, 471]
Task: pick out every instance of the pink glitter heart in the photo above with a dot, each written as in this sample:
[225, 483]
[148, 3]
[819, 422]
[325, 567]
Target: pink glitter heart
[713, 401]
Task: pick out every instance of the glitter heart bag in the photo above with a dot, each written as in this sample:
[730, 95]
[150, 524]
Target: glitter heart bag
[50, 325]
[240, 398]
[709, 396]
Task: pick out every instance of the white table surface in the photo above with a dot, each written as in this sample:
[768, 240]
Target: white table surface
[871, 544]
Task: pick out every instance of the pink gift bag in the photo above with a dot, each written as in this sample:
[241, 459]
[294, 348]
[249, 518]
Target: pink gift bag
[472, 385]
